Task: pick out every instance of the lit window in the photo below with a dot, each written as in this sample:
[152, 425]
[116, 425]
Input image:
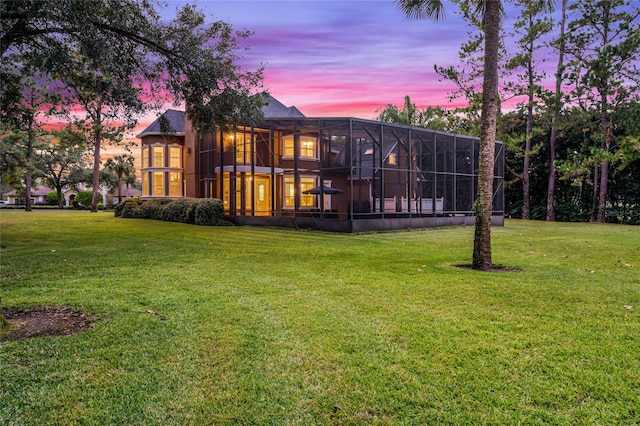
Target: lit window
[175, 184]
[242, 149]
[369, 151]
[392, 159]
[145, 157]
[289, 192]
[288, 146]
[158, 183]
[228, 140]
[306, 200]
[158, 156]
[175, 160]
[145, 184]
[307, 147]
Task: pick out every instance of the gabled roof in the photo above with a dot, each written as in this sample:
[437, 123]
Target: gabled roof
[175, 121]
[276, 109]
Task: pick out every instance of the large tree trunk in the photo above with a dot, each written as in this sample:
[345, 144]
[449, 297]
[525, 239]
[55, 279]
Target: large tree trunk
[29, 172]
[96, 159]
[602, 194]
[596, 192]
[484, 203]
[60, 198]
[526, 181]
[551, 189]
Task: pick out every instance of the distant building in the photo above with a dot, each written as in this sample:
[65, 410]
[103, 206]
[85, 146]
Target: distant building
[330, 173]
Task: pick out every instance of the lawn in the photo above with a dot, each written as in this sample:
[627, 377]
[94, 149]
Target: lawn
[254, 326]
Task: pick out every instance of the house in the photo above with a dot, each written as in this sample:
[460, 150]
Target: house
[38, 195]
[340, 174]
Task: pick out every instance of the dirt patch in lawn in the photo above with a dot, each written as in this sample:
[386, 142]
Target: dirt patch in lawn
[44, 321]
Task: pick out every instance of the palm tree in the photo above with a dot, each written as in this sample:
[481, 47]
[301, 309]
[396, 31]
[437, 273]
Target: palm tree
[121, 165]
[408, 115]
[491, 11]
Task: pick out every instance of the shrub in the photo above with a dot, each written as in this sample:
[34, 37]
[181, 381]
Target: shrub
[209, 211]
[83, 198]
[131, 208]
[153, 209]
[182, 210]
[117, 210]
[100, 206]
[52, 198]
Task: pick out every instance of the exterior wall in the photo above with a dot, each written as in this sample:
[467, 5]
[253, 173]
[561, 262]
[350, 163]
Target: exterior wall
[190, 155]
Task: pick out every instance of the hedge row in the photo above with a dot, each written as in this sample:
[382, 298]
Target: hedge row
[199, 211]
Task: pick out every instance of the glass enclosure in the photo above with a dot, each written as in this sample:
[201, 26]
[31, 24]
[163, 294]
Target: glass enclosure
[343, 169]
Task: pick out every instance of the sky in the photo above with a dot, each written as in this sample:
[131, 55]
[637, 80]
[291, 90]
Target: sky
[342, 57]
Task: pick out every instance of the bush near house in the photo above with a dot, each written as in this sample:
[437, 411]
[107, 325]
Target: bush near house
[210, 212]
[153, 209]
[182, 210]
[52, 198]
[83, 198]
[199, 211]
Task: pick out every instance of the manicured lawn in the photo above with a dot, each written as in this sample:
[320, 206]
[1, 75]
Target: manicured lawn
[241, 325]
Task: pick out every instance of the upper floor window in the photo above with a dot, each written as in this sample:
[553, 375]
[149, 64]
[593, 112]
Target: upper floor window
[288, 148]
[158, 156]
[175, 157]
[307, 146]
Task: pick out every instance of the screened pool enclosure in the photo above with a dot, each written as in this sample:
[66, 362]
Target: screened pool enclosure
[344, 175]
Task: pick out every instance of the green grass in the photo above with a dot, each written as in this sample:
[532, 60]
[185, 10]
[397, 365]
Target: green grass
[267, 326]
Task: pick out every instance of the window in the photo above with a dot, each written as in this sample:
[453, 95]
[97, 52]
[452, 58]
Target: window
[392, 159]
[145, 157]
[289, 192]
[145, 184]
[306, 200]
[307, 147]
[175, 160]
[288, 150]
[175, 184]
[158, 183]
[158, 156]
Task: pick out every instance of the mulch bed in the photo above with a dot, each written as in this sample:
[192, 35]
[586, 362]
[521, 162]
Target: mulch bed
[44, 321]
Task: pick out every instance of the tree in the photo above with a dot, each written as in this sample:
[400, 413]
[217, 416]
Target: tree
[604, 44]
[58, 159]
[491, 11]
[106, 53]
[122, 166]
[105, 87]
[24, 100]
[532, 26]
[435, 118]
[556, 107]
[195, 62]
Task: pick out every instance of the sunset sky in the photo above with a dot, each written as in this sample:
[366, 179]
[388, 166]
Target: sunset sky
[343, 57]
